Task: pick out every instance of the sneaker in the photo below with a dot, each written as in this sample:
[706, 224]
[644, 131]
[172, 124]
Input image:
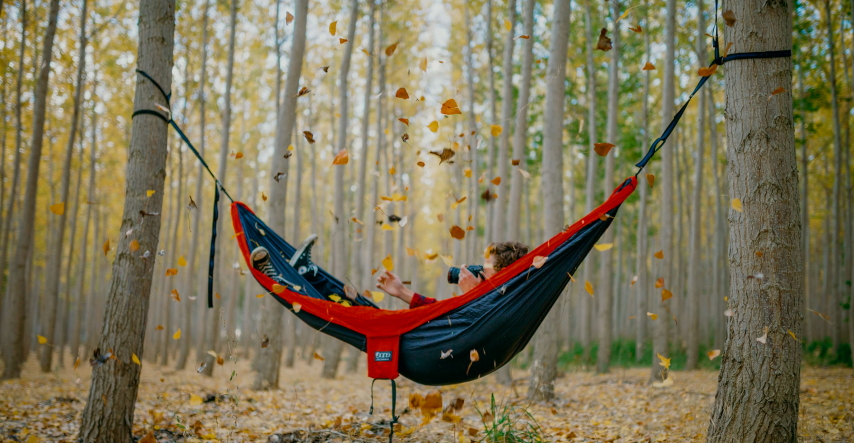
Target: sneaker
[301, 261]
[260, 259]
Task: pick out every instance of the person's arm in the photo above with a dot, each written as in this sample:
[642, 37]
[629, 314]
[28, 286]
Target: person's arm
[420, 300]
[392, 286]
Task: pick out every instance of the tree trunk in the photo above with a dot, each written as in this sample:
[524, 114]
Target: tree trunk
[108, 416]
[54, 264]
[544, 367]
[767, 307]
[521, 127]
[499, 221]
[363, 267]
[660, 326]
[271, 318]
[493, 115]
[587, 303]
[16, 294]
[641, 265]
[339, 234]
[605, 297]
[693, 297]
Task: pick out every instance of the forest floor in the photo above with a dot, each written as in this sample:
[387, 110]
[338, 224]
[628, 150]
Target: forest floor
[183, 406]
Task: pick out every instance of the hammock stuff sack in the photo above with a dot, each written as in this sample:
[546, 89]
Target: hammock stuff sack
[433, 344]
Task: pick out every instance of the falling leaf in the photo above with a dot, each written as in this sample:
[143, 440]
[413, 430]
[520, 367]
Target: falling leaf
[764, 338]
[389, 50]
[76, 363]
[342, 158]
[705, 72]
[604, 246]
[652, 316]
[636, 29]
[134, 246]
[175, 295]
[260, 296]
[728, 313]
[318, 357]
[458, 232]
[508, 26]
[736, 204]
[665, 294]
[405, 121]
[308, 136]
[604, 43]
[263, 196]
[238, 156]
[496, 181]
[659, 283]
[445, 155]
[177, 334]
[649, 67]
[588, 287]
[182, 261]
[729, 17]
[135, 359]
[650, 178]
[42, 339]
[423, 64]
[457, 203]
[467, 173]
[602, 148]
[445, 354]
[759, 253]
[450, 107]
[634, 280]
[288, 18]
[825, 317]
[195, 400]
[171, 271]
[792, 334]
[377, 296]
[539, 261]
[387, 263]
[713, 353]
[341, 41]
[159, 327]
[303, 91]
[663, 361]
[58, 208]
[779, 90]
[278, 289]
[447, 259]
[659, 255]
[433, 126]
[496, 130]
[333, 27]
[401, 93]
[421, 164]
[106, 247]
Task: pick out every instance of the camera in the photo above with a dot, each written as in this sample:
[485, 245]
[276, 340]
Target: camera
[454, 273]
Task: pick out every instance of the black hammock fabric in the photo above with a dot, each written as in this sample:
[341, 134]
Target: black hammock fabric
[498, 324]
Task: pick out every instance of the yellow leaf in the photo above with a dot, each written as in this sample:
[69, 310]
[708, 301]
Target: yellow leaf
[386, 227]
[652, 316]
[508, 26]
[389, 50]
[135, 359]
[423, 64]
[134, 246]
[411, 252]
[296, 306]
[467, 172]
[650, 178]
[664, 361]
[260, 296]
[150, 192]
[341, 41]
[175, 295]
[447, 259]
[539, 261]
[713, 353]
[42, 339]
[665, 294]
[318, 357]
[182, 261]
[496, 181]
[377, 296]
[604, 246]
[496, 130]
[450, 107]
[195, 400]
[342, 158]
[177, 334]
[433, 126]
[335, 298]
[705, 72]
[289, 18]
[473, 355]
[278, 289]
[736, 204]
[588, 287]
[659, 255]
[333, 27]
[659, 282]
[388, 264]
[391, 170]
[106, 247]
[792, 334]
[58, 208]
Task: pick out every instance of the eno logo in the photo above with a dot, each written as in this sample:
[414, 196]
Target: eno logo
[382, 356]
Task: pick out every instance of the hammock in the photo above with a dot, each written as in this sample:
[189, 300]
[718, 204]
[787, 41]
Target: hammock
[432, 344]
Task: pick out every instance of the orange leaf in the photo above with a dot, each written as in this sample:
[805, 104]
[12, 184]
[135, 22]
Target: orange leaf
[342, 158]
[705, 72]
[171, 271]
[389, 50]
[659, 283]
[665, 294]
[458, 232]
[496, 181]
[659, 255]
[401, 93]
[602, 148]
[604, 43]
[637, 29]
[341, 41]
[649, 67]
[405, 121]
[288, 18]
[729, 17]
[134, 246]
[650, 178]
[450, 107]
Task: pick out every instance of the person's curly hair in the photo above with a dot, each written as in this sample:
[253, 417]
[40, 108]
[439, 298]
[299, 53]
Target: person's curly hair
[506, 253]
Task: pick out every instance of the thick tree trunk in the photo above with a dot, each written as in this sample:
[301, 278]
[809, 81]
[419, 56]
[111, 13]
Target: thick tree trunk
[54, 264]
[108, 416]
[660, 328]
[499, 222]
[604, 294]
[339, 233]
[544, 366]
[16, 293]
[757, 398]
[271, 319]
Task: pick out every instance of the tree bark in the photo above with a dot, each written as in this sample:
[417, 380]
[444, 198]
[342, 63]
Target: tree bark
[16, 293]
[493, 116]
[641, 259]
[271, 319]
[587, 303]
[499, 222]
[108, 416]
[757, 398]
[544, 366]
[364, 266]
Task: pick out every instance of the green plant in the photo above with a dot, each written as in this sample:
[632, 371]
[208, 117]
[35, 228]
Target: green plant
[506, 423]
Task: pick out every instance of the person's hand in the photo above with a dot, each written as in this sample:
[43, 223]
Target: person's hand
[392, 285]
[467, 279]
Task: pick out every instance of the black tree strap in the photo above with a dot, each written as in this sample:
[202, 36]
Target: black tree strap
[217, 184]
[393, 403]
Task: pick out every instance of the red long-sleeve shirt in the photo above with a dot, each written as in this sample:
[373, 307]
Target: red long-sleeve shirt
[420, 300]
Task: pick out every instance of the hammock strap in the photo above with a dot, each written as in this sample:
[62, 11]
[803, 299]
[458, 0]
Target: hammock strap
[217, 184]
[393, 403]
[718, 60]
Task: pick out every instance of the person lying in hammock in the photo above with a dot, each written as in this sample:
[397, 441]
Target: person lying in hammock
[501, 256]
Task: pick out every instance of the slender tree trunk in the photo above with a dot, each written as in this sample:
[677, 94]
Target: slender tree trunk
[16, 294]
[363, 268]
[605, 294]
[641, 265]
[54, 265]
[493, 116]
[339, 234]
[498, 220]
[521, 127]
[693, 297]
[544, 367]
[108, 416]
[768, 308]
[587, 304]
[271, 320]
[370, 223]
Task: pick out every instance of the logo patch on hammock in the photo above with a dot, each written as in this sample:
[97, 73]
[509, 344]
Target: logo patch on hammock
[382, 356]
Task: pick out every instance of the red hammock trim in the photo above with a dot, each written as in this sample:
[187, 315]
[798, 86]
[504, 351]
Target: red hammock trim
[383, 323]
